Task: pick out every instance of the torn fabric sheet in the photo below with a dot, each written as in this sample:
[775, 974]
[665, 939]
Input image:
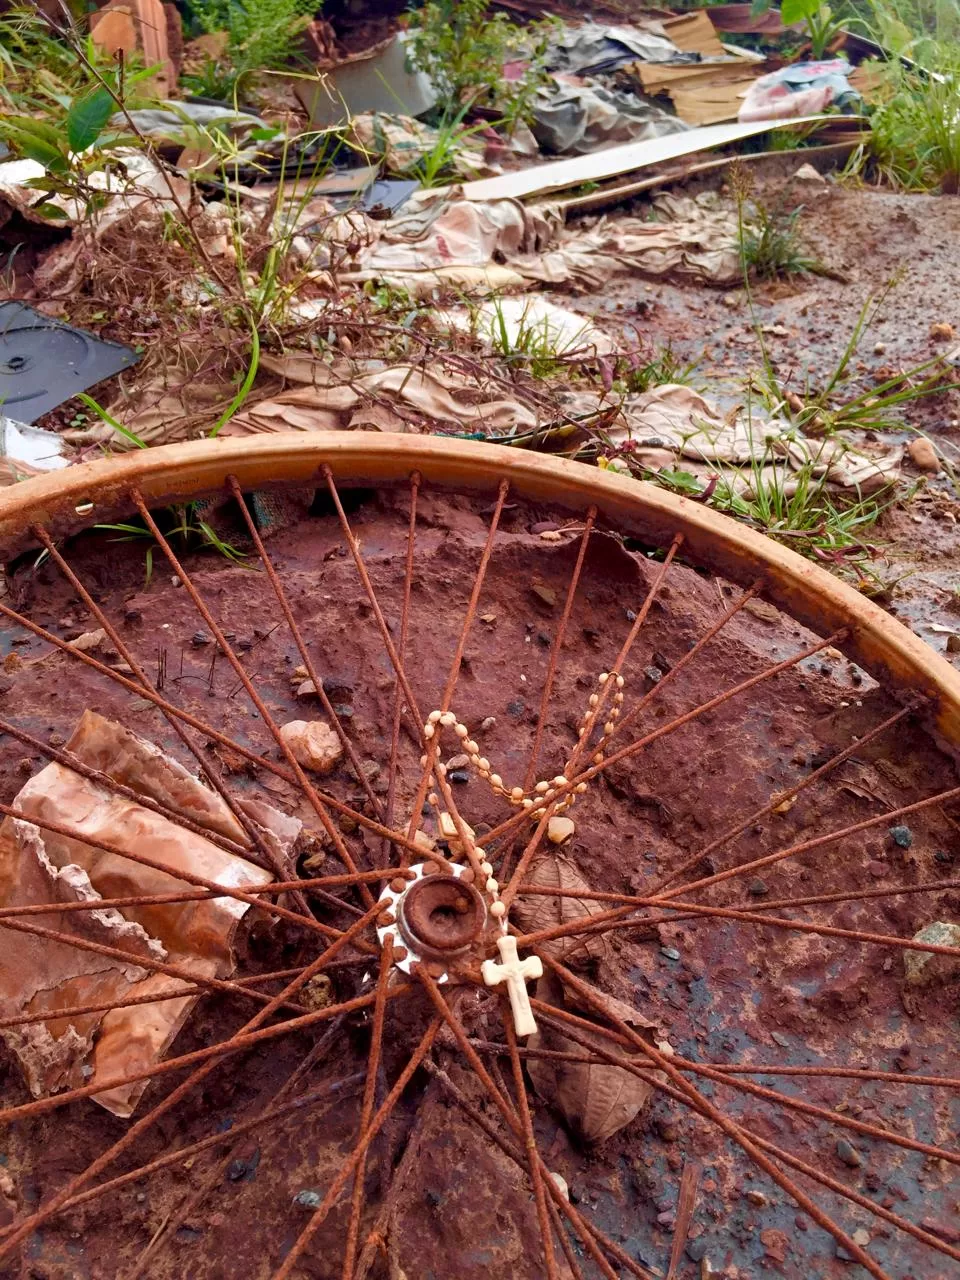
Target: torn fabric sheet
[407, 397]
[694, 238]
[38, 975]
[532, 321]
[592, 47]
[404, 143]
[671, 423]
[800, 89]
[572, 119]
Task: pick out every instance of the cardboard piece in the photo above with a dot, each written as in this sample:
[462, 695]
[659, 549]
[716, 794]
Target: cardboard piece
[558, 175]
[125, 25]
[376, 80]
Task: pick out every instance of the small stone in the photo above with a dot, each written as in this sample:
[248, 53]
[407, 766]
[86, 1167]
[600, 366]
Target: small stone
[923, 455]
[308, 1199]
[670, 952]
[370, 769]
[458, 762]
[849, 1154]
[801, 1222]
[757, 1198]
[667, 1219]
[778, 1038]
[459, 776]
[488, 618]
[89, 640]
[544, 526]
[953, 643]
[876, 869]
[307, 689]
[546, 595]
[560, 829]
[561, 1184]
[696, 1249]
[902, 837]
[879, 348]
[758, 888]
[313, 744]
[861, 1237]
[807, 173]
[318, 993]
[488, 723]
[942, 331]
[199, 639]
[550, 535]
[132, 614]
[927, 966]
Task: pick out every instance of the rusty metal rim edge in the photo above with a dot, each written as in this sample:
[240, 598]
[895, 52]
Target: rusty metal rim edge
[180, 472]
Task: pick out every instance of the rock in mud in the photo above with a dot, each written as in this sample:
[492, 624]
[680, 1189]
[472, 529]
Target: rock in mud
[313, 744]
[923, 455]
[921, 967]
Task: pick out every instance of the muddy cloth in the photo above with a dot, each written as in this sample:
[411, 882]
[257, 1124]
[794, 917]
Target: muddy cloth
[573, 119]
[801, 89]
[593, 47]
[695, 238]
[401, 398]
[403, 143]
[41, 976]
[673, 426]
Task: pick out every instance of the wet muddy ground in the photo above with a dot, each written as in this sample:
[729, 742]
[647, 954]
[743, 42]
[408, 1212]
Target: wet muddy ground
[718, 991]
[880, 242]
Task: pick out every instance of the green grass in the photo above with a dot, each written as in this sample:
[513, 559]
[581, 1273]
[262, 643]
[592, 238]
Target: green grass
[770, 244]
[915, 140]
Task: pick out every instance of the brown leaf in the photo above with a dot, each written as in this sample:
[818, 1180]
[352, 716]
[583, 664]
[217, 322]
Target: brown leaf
[534, 912]
[595, 1099]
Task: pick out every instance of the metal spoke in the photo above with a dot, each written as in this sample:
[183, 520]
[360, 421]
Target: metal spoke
[657, 1082]
[312, 674]
[359, 1152]
[724, 1123]
[306, 786]
[206, 765]
[782, 797]
[366, 1110]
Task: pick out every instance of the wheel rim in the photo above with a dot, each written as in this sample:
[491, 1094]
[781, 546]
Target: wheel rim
[809, 595]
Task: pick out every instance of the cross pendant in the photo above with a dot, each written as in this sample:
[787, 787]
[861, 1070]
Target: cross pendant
[515, 973]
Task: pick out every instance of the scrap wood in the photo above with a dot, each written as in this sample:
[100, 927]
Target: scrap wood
[558, 175]
[40, 975]
[121, 26]
[620, 192]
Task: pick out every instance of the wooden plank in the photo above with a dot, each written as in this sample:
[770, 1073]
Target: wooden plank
[558, 175]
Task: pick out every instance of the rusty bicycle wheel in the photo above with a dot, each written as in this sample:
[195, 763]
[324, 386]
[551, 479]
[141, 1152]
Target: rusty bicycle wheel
[618, 923]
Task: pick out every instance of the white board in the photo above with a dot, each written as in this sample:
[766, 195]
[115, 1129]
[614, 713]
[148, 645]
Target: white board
[557, 175]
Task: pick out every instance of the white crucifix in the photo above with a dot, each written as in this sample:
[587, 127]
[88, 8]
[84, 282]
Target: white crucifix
[515, 973]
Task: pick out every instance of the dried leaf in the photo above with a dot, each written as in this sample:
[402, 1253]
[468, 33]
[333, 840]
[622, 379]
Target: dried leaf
[534, 912]
[595, 1099]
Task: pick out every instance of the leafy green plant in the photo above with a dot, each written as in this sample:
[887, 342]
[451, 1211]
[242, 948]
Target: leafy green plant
[40, 70]
[770, 244]
[822, 25]
[914, 142]
[262, 35]
[665, 367]
[530, 341]
[463, 52]
[180, 525]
